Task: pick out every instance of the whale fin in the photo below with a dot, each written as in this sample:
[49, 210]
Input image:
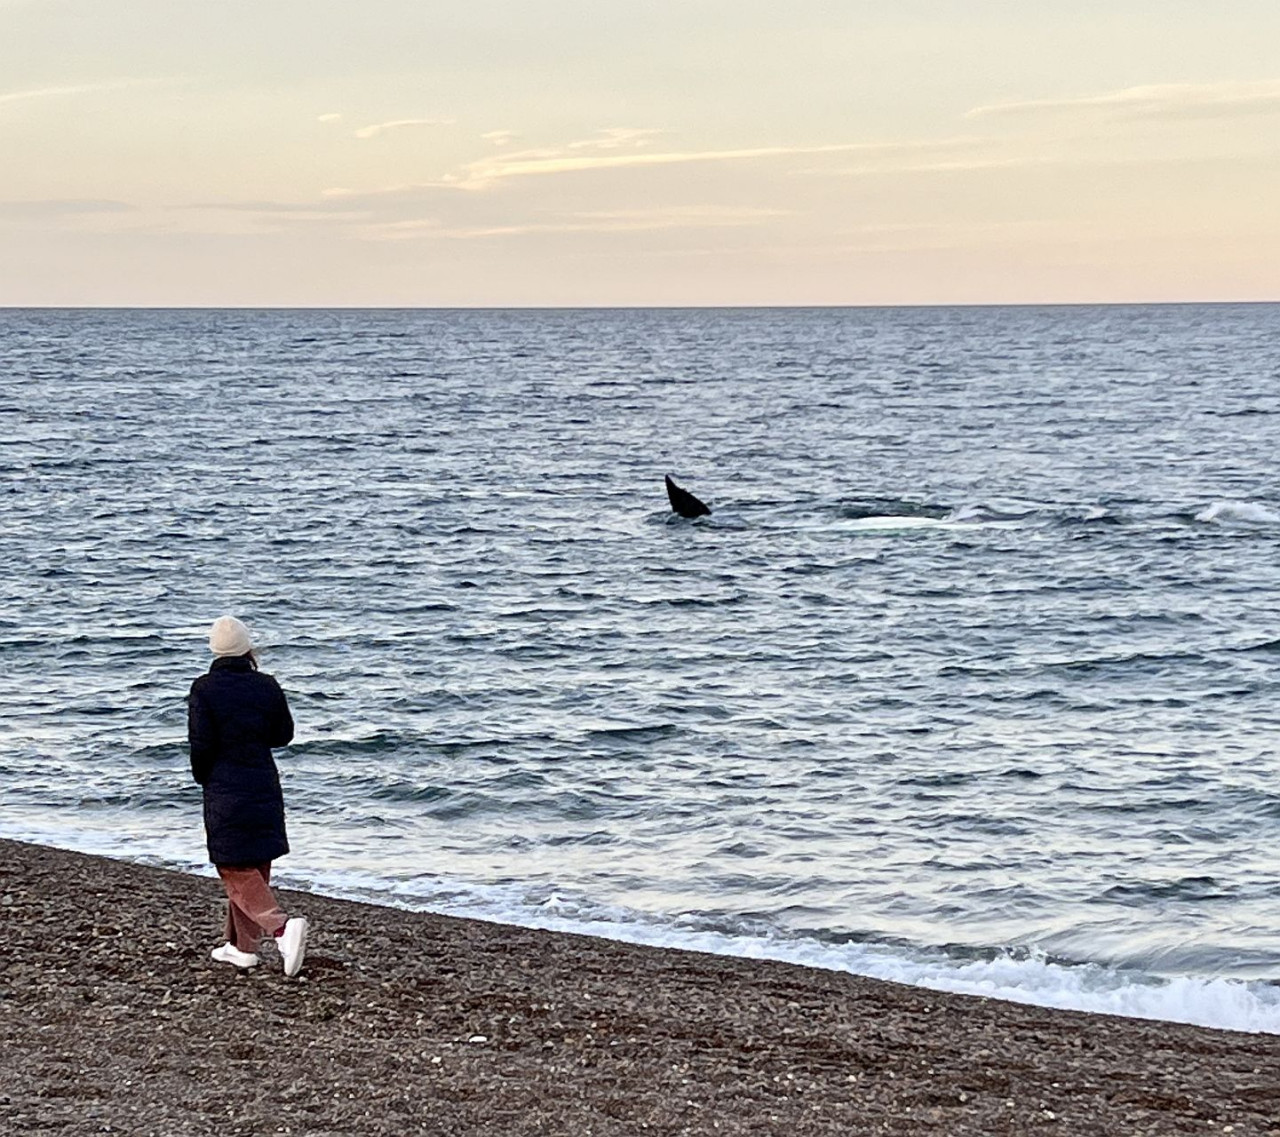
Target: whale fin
[684, 503]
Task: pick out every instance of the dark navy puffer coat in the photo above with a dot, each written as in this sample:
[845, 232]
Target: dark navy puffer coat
[235, 715]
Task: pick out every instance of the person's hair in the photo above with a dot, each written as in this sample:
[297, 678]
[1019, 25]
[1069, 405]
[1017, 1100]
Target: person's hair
[252, 657]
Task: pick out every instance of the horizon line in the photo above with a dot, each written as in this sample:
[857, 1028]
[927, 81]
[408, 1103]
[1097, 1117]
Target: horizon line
[625, 307]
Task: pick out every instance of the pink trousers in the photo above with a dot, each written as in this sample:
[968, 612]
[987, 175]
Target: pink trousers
[251, 905]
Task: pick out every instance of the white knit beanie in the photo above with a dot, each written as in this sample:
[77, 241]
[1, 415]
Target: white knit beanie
[229, 636]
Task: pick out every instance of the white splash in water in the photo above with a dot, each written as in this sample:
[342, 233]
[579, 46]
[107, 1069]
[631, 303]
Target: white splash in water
[1238, 513]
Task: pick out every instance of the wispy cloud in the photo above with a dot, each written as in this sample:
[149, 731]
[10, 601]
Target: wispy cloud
[1169, 100]
[570, 159]
[500, 137]
[62, 207]
[311, 211]
[593, 221]
[78, 89]
[942, 164]
[410, 213]
[685, 215]
[331, 117]
[617, 138]
[374, 129]
[524, 199]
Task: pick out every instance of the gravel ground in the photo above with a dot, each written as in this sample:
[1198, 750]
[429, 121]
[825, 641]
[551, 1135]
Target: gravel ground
[113, 1019]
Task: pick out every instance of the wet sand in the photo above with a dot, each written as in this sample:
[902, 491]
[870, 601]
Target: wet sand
[113, 1019]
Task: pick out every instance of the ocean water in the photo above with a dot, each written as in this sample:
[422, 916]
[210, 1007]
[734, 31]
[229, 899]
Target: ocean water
[971, 679]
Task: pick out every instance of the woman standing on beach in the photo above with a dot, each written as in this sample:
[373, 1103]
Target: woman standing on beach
[235, 715]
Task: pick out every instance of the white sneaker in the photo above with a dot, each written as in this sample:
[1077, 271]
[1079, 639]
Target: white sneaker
[229, 953]
[292, 943]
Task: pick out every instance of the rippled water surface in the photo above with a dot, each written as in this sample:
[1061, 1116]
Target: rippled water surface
[971, 677]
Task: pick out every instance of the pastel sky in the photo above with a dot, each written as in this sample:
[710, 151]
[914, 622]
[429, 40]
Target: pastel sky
[617, 152]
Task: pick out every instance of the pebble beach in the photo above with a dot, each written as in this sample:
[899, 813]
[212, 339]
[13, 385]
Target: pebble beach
[113, 1019]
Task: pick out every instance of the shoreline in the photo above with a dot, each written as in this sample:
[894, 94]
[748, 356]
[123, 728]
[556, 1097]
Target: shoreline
[116, 1020]
[1219, 1002]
